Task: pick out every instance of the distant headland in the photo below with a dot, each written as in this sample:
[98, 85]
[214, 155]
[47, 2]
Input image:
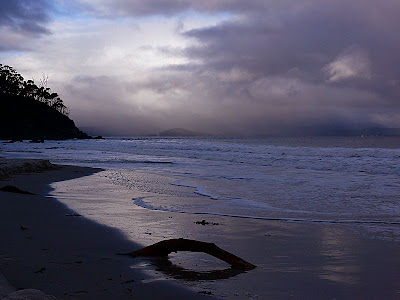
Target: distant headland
[174, 132]
[30, 111]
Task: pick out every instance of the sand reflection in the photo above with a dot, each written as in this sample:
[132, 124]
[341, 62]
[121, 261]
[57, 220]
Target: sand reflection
[338, 248]
[203, 270]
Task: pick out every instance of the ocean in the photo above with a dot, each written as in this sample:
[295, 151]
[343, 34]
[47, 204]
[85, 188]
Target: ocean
[349, 180]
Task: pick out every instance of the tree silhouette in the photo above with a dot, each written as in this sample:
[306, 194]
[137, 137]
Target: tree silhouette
[12, 83]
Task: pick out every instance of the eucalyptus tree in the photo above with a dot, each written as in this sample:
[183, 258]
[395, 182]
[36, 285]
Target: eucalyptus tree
[12, 83]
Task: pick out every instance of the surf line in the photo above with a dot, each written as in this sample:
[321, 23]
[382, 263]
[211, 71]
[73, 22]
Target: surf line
[139, 201]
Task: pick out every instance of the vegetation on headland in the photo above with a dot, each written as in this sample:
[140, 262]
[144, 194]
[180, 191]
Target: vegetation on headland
[30, 111]
[13, 84]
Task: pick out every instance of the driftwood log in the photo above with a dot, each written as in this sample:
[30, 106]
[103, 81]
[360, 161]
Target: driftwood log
[164, 248]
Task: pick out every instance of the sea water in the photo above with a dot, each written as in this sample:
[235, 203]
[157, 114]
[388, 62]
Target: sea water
[354, 180]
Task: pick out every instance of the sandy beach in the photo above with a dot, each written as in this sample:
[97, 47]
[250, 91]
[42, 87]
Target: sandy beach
[65, 246]
[45, 247]
[294, 259]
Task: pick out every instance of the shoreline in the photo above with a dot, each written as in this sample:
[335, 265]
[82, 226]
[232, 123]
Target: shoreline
[46, 246]
[294, 259]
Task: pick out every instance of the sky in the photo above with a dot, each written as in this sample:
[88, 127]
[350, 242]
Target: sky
[234, 67]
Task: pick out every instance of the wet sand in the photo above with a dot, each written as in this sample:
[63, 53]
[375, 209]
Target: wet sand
[46, 246]
[294, 259]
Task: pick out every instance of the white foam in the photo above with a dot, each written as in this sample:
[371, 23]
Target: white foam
[247, 177]
[141, 203]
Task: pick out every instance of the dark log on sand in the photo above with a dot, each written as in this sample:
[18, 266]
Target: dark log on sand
[163, 248]
[13, 189]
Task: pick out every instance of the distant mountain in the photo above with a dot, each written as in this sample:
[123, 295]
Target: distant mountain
[366, 131]
[378, 131]
[180, 132]
[343, 130]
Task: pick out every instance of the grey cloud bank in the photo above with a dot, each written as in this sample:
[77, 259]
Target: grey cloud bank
[116, 8]
[293, 67]
[316, 65]
[20, 20]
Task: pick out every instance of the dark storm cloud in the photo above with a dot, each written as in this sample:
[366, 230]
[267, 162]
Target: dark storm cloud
[306, 39]
[21, 20]
[313, 64]
[275, 67]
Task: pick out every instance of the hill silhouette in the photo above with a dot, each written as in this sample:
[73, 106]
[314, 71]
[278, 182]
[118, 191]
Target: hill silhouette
[28, 111]
[22, 118]
[180, 132]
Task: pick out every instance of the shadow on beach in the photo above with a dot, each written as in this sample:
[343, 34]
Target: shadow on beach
[47, 246]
